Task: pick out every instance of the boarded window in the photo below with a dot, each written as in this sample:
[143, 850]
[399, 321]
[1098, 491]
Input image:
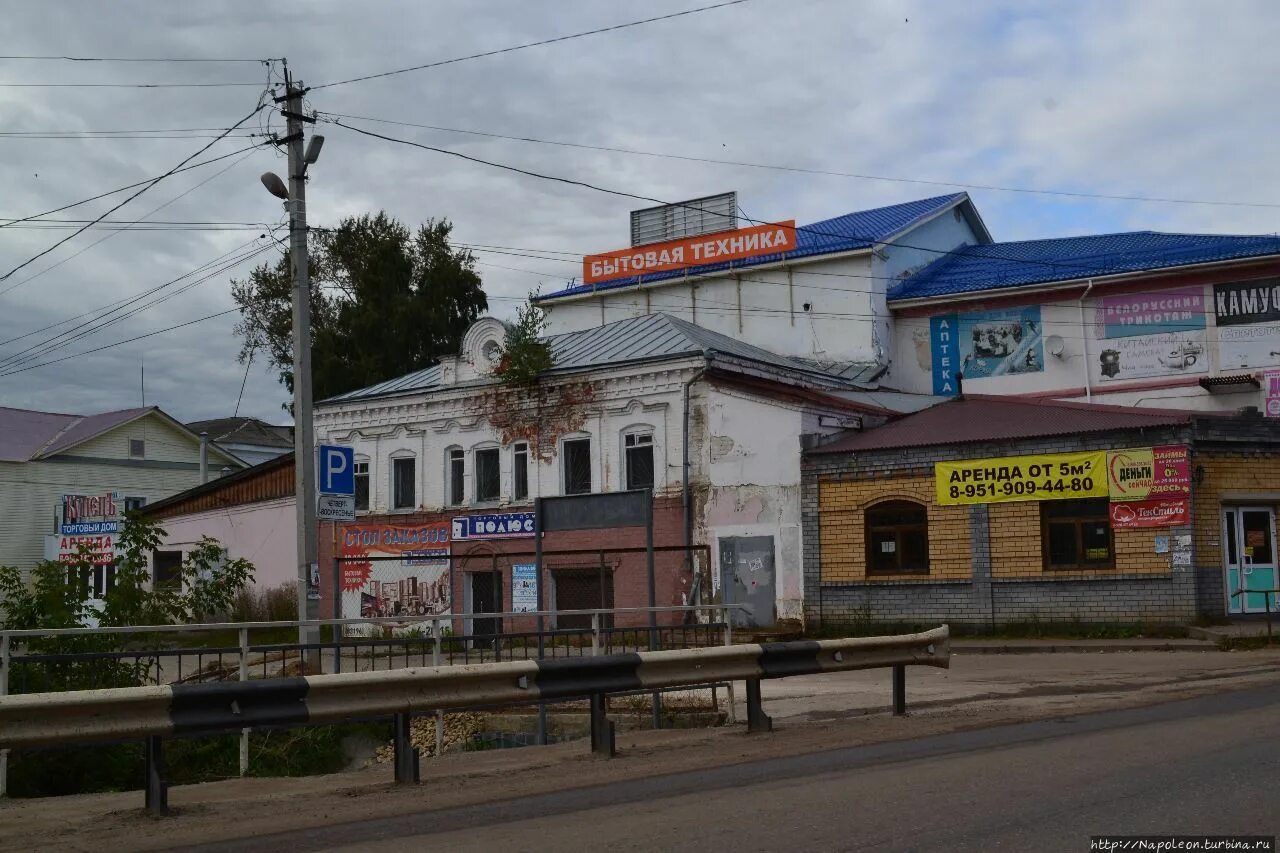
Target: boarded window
[897, 534]
[582, 589]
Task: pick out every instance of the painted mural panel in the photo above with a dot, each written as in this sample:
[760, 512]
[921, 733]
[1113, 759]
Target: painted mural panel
[1155, 334]
[986, 344]
[1141, 356]
[1248, 317]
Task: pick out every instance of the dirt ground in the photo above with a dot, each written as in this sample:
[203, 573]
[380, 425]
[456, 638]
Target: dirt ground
[811, 714]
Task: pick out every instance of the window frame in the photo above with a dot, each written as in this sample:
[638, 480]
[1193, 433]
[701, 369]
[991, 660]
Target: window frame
[497, 474]
[455, 481]
[396, 464]
[520, 471]
[636, 434]
[564, 465]
[133, 503]
[365, 476]
[899, 530]
[140, 444]
[1102, 512]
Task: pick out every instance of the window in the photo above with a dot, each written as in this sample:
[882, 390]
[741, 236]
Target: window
[897, 538]
[362, 485]
[137, 448]
[577, 466]
[488, 484]
[457, 471]
[403, 491]
[1077, 534]
[638, 448]
[520, 472]
[134, 504]
[166, 567]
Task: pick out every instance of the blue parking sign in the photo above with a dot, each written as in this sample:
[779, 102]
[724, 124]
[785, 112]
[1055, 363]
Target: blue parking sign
[337, 470]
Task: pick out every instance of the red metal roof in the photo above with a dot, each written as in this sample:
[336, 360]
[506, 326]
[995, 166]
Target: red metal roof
[986, 418]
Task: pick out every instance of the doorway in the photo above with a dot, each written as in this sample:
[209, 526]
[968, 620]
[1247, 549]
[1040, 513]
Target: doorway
[1249, 557]
[484, 589]
[747, 576]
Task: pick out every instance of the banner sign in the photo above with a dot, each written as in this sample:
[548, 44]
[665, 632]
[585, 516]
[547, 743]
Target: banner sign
[1141, 356]
[691, 251]
[1152, 313]
[1158, 512]
[1271, 388]
[64, 548]
[1042, 477]
[335, 508]
[503, 525]
[1150, 472]
[990, 343]
[417, 584]
[1242, 302]
[524, 588]
[90, 515]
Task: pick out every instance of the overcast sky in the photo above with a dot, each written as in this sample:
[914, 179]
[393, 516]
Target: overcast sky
[1168, 99]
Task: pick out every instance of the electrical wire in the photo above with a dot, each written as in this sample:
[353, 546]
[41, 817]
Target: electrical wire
[807, 171]
[55, 57]
[538, 43]
[157, 180]
[218, 85]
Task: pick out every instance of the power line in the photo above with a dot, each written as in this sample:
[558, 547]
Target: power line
[538, 43]
[220, 84]
[55, 57]
[20, 137]
[113, 132]
[157, 180]
[119, 343]
[808, 171]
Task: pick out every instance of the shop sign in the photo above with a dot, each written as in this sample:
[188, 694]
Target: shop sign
[1041, 477]
[1156, 512]
[64, 548]
[1248, 317]
[1149, 472]
[736, 245]
[1271, 387]
[417, 584]
[91, 515]
[1146, 356]
[524, 588]
[503, 525]
[981, 345]
[1154, 313]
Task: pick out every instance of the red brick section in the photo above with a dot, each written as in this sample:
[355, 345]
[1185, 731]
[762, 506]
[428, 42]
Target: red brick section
[630, 573]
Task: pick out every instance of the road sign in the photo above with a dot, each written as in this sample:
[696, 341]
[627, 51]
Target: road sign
[336, 508]
[337, 470]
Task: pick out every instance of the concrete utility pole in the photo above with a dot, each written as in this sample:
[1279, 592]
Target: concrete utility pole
[304, 456]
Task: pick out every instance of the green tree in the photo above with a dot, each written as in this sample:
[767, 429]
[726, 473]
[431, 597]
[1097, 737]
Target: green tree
[526, 353]
[385, 301]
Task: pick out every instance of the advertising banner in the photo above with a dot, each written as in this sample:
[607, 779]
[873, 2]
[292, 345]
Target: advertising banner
[524, 588]
[66, 548]
[1248, 317]
[1158, 512]
[1042, 477]
[980, 345]
[91, 515]
[1143, 356]
[501, 525]
[1271, 387]
[416, 584]
[691, 251]
[1248, 347]
[1181, 310]
[1149, 472]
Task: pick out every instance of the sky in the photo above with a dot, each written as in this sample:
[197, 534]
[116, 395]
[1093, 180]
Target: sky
[1159, 99]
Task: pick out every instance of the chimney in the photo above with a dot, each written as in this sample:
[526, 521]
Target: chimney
[204, 457]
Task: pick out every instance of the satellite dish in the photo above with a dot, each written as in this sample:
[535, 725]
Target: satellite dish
[1054, 345]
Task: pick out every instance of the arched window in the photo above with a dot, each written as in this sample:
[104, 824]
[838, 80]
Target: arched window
[455, 474]
[362, 483]
[404, 481]
[486, 473]
[897, 534]
[637, 457]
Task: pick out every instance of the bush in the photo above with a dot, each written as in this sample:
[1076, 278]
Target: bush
[272, 604]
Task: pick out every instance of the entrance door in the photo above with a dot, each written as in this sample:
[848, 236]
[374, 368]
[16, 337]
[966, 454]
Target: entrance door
[1249, 546]
[747, 577]
[486, 597]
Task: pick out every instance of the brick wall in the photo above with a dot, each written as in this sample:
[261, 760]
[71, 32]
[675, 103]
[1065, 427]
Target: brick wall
[1240, 476]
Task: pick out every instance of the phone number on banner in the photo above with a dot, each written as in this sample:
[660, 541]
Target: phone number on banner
[1042, 477]
[1024, 488]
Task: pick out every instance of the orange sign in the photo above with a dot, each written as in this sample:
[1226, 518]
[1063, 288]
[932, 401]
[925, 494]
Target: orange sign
[691, 251]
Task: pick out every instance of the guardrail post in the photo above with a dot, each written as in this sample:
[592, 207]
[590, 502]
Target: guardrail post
[757, 719]
[406, 757]
[5, 660]
[595, 634]
[602, 739]
[244, 676]
[435, 661]
[728, 641]
[899, 690]
[157, 790]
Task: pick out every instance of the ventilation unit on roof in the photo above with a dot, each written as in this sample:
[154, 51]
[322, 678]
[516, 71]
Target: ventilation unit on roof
[685, 219]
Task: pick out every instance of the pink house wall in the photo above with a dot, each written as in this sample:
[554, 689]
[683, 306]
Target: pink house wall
[262, 533]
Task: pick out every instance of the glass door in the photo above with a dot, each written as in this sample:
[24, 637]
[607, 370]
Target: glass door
[1249, 545]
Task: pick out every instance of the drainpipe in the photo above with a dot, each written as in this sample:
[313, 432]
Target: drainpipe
[1084, 342]
[688, 498]
[204, 457]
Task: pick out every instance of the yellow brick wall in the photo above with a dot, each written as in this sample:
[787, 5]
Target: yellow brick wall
[1238, 473]
[842, 533]
[1016, 546]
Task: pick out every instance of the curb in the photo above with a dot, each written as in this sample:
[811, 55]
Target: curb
[1067, 646]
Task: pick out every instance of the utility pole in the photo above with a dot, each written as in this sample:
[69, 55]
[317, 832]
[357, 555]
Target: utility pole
[304, 457]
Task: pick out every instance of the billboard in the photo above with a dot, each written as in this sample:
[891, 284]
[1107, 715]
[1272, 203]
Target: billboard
[1158, 312]
[499, 525]
[1038, 477]
[736, 245]
[416, 582]
[1248, 317]
[989, 343]
[1144, 356]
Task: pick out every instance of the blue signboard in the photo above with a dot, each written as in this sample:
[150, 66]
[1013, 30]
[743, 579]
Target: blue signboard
[502, 525]
[90, 528]
[942, 339]
[337, 470]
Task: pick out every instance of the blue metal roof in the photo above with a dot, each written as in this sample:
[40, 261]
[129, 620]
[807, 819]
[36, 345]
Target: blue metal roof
[651, 337]
[1003, 265]
[861, 229]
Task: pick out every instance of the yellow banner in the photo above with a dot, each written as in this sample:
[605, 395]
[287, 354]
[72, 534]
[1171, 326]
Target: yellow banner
[1042, 477]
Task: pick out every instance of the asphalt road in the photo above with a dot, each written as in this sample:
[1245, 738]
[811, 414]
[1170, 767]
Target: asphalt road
[1209, 766]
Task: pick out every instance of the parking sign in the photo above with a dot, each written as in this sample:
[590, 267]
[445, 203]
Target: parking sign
[337, 470]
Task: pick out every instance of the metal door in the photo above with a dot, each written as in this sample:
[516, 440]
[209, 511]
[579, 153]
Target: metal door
[747, 576]
[486, 597]
[1249, 555]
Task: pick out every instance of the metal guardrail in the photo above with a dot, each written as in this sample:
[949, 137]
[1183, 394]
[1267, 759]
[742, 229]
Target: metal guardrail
[42, 719]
